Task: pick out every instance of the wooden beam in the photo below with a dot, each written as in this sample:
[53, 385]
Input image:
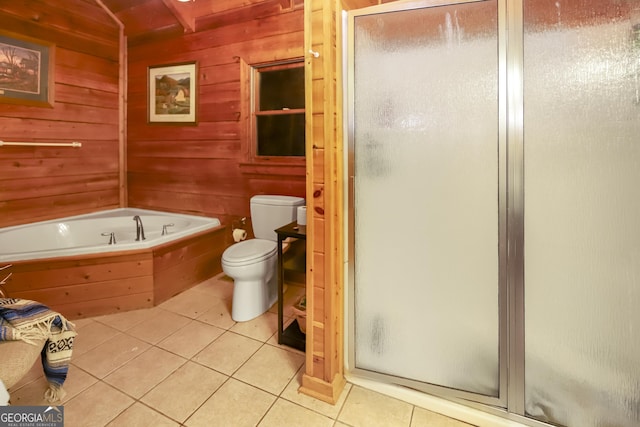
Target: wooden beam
[183, 11]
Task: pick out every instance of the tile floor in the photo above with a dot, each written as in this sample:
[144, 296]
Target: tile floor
[187, 363]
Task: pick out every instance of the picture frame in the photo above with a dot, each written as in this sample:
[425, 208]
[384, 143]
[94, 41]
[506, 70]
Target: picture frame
[26, 70]
[172, 94]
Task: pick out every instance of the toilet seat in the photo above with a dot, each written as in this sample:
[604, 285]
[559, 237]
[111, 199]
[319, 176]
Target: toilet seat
[249, 252]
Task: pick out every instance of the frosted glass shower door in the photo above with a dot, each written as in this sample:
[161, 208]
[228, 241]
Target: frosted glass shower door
[582, 212]
[425, 207]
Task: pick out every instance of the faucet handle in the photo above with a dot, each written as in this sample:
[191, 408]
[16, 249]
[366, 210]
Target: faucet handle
[164, 228]
[112, 237]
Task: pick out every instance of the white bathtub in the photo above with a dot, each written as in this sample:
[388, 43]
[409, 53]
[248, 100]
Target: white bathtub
[90, 233]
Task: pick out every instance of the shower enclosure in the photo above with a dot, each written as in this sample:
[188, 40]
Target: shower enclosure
[494, 204]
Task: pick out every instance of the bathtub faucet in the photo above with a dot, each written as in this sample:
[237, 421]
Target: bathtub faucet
[139, 228]
[112, 237]
[164, 229]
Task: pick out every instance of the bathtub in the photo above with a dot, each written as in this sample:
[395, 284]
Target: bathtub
[74, 266]
[91, 233]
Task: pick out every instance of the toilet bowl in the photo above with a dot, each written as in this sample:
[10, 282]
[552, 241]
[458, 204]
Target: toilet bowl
[252, 266]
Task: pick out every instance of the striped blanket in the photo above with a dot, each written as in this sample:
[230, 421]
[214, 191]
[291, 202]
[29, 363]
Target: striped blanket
[31, 322]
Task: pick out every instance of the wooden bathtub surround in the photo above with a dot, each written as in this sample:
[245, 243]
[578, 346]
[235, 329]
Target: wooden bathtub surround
[177, 267]
[99, 284]
[86, 285]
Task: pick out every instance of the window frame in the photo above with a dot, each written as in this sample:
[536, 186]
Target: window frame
[252, 108]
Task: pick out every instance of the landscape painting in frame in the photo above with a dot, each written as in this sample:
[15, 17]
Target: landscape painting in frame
[172, 93]
[26, 70]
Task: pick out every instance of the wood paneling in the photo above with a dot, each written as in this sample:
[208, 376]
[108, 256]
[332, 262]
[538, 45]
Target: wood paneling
[98, 284]
[38, 183]
[205, 169]
[178, 266]
[241, 13]
[81, 26]
[200, 169]
[83, 286]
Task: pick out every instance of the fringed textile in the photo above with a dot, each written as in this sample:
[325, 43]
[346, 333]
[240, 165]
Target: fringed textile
[31, 322]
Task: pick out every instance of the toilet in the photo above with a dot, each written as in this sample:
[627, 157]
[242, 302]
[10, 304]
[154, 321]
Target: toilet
[252, 264]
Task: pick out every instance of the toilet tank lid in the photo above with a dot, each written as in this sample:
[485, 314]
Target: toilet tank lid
[265, 199]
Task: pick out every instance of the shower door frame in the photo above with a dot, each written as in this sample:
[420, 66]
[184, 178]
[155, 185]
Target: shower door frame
[510, 400]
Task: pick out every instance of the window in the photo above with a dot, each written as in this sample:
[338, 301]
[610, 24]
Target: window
[277, 113]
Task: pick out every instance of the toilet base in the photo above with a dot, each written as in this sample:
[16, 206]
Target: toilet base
[251, 298]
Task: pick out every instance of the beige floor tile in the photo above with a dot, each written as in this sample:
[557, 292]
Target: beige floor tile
[91, 336]
[128, 319]
[77, 382]
[219, 314]
[286, 414]
[235, 404]
[139, 375]
[228, 352]
[424, 418]
[96, 406]
[159, 327]
[270, 369]
[81, 323]
[110, 355]
[29, 394]
[33, 393]
[220, 286]
[261, 328]
[190, 339]
[117, 348]
[368, 408]
[139, 415]
[190, 303]
[184, 391]
[291, 393]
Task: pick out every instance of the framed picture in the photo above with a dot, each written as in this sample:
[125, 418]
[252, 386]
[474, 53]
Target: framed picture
[26, 70]
[172, 93]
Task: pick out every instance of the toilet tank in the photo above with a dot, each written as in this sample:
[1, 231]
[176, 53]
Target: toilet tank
[269, 212]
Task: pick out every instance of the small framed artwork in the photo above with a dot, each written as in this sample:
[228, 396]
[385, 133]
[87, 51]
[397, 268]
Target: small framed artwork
[172, 93]
[26, 70]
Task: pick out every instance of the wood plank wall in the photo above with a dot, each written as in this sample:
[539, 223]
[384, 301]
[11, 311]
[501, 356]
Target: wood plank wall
[38, 183]
[205, 169]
